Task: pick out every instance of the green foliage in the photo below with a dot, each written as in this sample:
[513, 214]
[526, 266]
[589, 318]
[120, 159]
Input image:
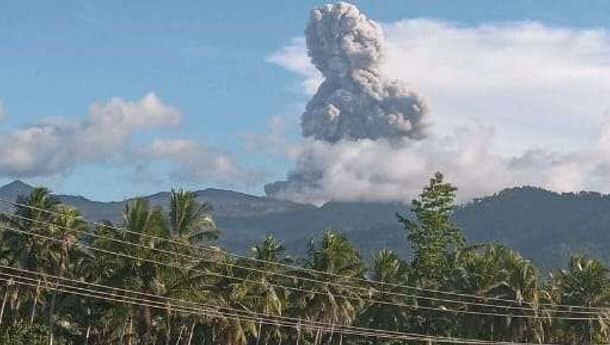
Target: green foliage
[585, 282]
[432, 234]
[25, 334]
[189, 219]
[158, 257]
[495, 271]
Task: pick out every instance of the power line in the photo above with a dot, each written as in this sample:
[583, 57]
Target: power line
[305, 269]
[337, 328]
[280, 274]
[199, 306]
[373, 301]
[518, 306]
[262, 321]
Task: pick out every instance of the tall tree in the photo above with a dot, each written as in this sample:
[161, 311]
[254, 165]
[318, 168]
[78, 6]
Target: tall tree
[190, 220]
[388, 273]
[585, 283]
[431, 233]
[190, 224]
[495, 271]
[29, 221]
[265, 296]
[68, 226]
[336, 302]
[146, 231]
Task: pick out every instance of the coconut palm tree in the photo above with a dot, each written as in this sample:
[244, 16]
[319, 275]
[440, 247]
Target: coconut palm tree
[229, 292]
[190, 220]
[388, 272]
[31, 217]
[146, 227]
[334, 302]
[585, 283]
[67, 226]
[266, 296]
[190, 223]
[494, 271]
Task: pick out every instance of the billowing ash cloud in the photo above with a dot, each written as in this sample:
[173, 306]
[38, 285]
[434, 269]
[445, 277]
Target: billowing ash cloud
[525, 102]
[354, 101]
[355, 106]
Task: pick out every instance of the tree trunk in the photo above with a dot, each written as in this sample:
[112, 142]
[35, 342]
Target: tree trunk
[332, 333]
[146, 333]
[15, 302]
[180, 335]
[62, 271]
[168, 331]
[51, 318]
[147, 327]
[88, 332]
[130, 330]
[18, 319]
[228, 338]
[298, 333]
[33, 314]
[87, 335]
[258, 336]
[191, 332]
[3, 304]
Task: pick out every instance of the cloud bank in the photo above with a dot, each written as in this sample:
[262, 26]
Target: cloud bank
[510, 104]
[57, 146]
[197, 162]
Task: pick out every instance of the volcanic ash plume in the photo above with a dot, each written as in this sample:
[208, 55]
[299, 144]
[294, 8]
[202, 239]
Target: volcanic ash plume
[355, 101]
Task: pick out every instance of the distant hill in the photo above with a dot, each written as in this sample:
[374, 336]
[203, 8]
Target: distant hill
[544, 226]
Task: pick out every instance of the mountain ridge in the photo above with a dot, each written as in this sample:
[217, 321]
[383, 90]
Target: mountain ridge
[543, 225]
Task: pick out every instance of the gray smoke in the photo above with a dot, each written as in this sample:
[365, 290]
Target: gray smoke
[355, 101]
[344, 159]
[354, 107]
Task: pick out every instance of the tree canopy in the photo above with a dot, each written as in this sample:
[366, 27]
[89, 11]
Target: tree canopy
[157, 277]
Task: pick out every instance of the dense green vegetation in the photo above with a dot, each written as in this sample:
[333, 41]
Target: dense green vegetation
[172, 286]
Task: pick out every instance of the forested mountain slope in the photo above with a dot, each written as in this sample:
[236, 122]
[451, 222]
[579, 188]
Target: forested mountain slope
[544, 226]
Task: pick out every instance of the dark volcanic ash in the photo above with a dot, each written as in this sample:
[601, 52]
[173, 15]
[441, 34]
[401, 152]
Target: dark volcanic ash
[355, 101]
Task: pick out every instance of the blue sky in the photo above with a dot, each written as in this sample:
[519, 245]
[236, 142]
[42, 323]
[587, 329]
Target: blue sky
[209, 60]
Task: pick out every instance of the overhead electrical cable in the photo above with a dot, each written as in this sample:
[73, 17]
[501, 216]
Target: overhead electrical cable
[372, 301]
[299, 323]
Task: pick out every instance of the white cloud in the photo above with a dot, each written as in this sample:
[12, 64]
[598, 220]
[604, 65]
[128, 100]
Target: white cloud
[273, 140]
[294, 58]
[536, 94]
[197, 162]
[379, 170]
[58, 145]
[537, 85]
